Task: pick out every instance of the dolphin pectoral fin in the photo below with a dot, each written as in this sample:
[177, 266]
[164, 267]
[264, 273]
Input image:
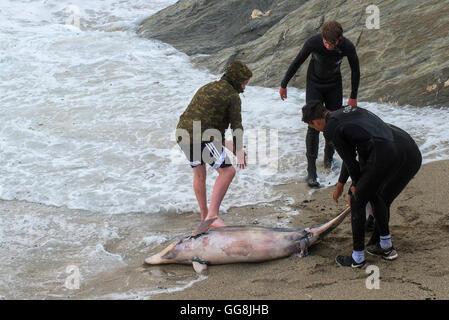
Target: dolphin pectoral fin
[199, 267]
[303, 246]
[203, 227]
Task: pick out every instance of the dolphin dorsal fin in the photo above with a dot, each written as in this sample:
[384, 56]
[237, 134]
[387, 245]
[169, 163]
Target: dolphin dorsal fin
[203, 227]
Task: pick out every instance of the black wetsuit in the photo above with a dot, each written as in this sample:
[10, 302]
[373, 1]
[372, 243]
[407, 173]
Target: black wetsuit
[324, 83]
[388, 158]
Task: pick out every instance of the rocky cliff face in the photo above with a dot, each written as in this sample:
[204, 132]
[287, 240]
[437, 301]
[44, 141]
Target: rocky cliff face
[404, 61]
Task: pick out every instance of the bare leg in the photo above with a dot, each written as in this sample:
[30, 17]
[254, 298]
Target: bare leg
[199, 186]
[225, 176]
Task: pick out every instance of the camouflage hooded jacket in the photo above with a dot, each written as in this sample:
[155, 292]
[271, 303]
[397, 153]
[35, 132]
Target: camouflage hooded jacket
[217, 104]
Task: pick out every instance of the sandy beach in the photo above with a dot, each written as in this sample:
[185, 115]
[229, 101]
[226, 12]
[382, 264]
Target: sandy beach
[419, 228]
[420, 232]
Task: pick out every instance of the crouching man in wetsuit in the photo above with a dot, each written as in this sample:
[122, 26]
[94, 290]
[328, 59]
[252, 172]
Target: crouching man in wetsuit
[388, 158]
[201, 132]
[324, 83]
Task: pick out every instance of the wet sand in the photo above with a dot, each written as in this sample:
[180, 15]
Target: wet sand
[114, 268]
[420, 232]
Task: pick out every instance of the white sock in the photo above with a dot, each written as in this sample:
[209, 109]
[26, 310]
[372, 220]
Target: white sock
[369, 209]
[358, 256]
[385, 241]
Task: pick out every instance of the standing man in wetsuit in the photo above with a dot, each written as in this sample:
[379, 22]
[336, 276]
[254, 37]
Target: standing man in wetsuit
[201, 131]
[388, 158]
[324, 83]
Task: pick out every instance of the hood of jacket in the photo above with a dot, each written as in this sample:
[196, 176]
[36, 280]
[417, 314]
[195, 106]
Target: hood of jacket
[236, 74]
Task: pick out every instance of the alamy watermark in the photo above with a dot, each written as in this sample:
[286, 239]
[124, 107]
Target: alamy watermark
[72, 282]
[373, 19]
[373, 280]
[74, 16]
[261, 146]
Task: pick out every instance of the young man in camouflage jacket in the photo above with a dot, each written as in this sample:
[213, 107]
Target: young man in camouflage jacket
[201, 131]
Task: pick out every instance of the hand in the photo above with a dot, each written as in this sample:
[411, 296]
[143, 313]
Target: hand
[283, 93]
[352, 102]
[338, 191]
[241, 159]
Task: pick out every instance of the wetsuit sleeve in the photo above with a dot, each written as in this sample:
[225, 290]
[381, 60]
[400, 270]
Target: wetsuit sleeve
[235, 118]
[344, 174]
[299, 60]
[345, 141]
[353, 60]
[348, 154]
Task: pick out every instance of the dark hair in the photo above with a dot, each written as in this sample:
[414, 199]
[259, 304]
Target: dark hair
[331, 31]
[313, 110]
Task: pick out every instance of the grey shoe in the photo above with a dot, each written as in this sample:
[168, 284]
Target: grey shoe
[311, 182]
[387, 254]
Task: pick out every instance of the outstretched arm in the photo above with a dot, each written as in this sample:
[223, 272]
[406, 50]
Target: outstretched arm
[355, 74]
[348, 154]
[235, 116]
[344, 175]
[299, 60]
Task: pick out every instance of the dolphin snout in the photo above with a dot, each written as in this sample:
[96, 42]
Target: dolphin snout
[152, 260]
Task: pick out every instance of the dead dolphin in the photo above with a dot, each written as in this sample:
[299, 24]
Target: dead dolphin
[241, 244]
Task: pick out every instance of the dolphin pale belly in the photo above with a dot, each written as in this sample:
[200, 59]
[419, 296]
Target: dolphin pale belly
[242, 244]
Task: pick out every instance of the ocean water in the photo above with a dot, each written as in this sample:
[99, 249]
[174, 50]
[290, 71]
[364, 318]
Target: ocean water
[88, 116]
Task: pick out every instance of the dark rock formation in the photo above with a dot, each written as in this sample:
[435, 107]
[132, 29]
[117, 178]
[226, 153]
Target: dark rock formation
[405, 61]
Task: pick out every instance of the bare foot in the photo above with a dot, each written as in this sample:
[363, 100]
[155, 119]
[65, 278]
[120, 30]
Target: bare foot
[218, 223]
